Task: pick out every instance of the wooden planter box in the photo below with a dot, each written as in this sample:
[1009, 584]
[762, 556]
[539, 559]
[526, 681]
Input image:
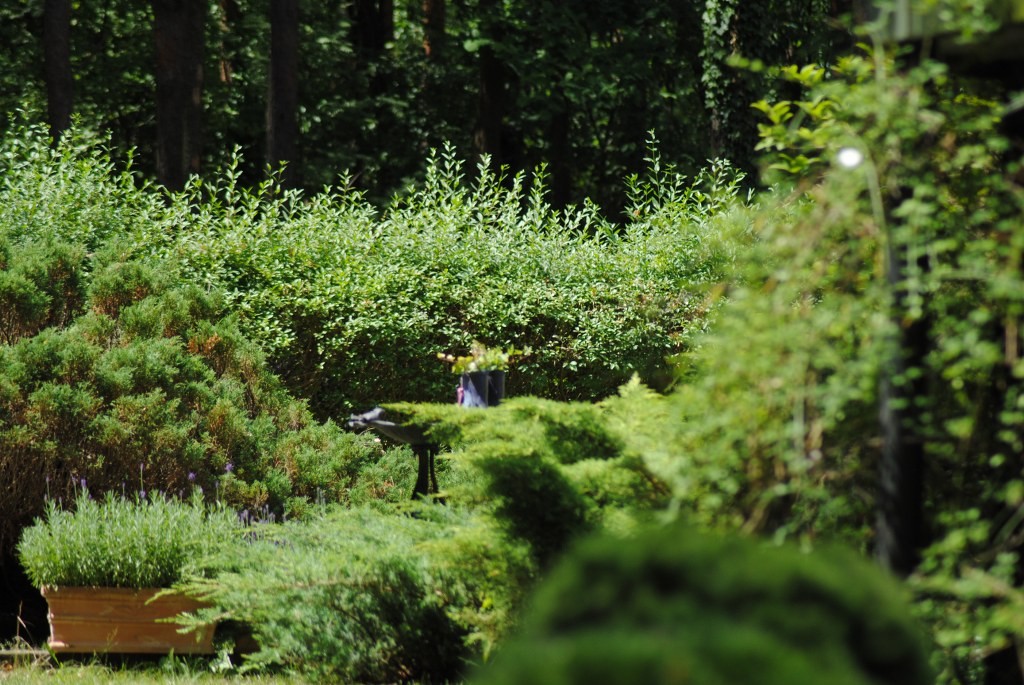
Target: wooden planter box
[123, 621]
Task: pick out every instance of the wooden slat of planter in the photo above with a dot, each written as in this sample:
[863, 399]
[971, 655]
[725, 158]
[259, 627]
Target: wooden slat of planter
[121, 620]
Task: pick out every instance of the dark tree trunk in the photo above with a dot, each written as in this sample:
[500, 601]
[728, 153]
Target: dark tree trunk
[560, 151]
[57, 63]
[490, 105]
[283, 95]
[178, 34]
[1003, 667]
[900, 526]
[373, 27]
[434, 29]
[386, 22]
[492, 87]
[900, 518]
[227, 15]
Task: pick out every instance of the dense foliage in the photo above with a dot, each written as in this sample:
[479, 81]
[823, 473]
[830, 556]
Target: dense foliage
[818, 340]
[671, 606]
[149, 387]
[882, 281]
[128, 361]
[112, 373]
[353, 306]
[582, 460]
[774, 427]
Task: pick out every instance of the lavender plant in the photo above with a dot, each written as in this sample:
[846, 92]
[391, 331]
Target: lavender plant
[120, 542]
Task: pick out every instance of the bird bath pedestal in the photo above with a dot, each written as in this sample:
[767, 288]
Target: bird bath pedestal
[478, 389]
[415, 438]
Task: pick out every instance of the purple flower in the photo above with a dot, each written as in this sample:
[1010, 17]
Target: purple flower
[83, 485]
[229, 467]
[191, 476]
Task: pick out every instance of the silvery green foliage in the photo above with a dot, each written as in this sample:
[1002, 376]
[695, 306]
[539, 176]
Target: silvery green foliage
[143, 542]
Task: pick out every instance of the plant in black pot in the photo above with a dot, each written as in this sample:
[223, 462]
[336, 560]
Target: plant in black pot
[482, 373]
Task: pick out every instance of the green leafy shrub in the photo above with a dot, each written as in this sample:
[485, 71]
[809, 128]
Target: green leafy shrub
[353, 305]
[673, 606]
[117, 542]
[776, 427]
[73, 194]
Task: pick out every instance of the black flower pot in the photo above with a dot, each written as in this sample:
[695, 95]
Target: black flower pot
[496, 388]
[474, 388]
[481, 388]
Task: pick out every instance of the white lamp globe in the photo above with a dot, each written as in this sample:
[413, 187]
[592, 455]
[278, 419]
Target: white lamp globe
[850, 157]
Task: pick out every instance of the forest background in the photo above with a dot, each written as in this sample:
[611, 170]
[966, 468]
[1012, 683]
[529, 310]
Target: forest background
[366, 88]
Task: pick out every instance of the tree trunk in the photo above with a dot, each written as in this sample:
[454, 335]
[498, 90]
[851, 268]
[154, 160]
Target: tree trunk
[373, 27]
[386, 22]
[493, 83]
[283, 95]
[227, 15]
[57, 63]
[433, 28]
[900, 518]
[178, 34]
[560, 152]
[1003, 667]
[490, 105]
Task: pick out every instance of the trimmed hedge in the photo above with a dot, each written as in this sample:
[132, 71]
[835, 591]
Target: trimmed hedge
[353, 304]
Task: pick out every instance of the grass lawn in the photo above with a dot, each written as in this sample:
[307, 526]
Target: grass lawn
[37, 666]
[98, 674]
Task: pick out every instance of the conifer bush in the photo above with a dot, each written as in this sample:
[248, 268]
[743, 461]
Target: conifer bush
[150, 386]
[550, 472]
[370, 598]
[40, 286]
[116, 372]
[672, 606]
